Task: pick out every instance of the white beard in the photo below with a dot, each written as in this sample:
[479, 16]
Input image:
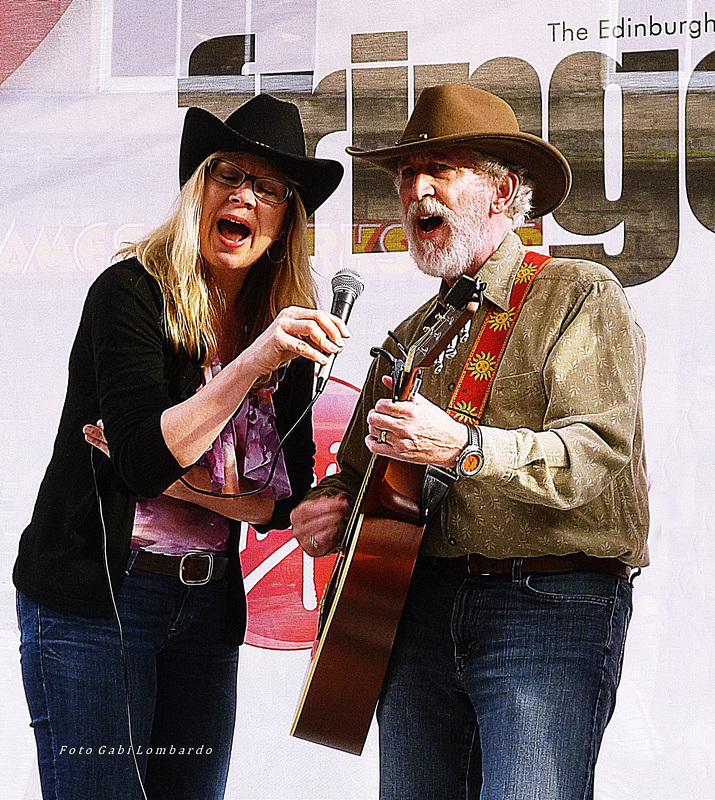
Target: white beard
[467, 237]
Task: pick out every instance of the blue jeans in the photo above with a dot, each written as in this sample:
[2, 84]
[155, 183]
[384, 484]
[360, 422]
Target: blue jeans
[182, 693]
[500, 689]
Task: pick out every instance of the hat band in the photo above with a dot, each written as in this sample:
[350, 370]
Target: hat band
[419, 138]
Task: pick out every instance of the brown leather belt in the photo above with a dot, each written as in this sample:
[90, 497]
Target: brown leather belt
[476, 564]
[194, 568]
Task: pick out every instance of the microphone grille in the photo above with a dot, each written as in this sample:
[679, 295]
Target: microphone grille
[348, 279]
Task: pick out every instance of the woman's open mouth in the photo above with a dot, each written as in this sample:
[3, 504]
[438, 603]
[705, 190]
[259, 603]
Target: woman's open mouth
[233, 230]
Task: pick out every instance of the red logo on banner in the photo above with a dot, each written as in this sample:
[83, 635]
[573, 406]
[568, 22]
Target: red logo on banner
[24, 29]
[283, 584]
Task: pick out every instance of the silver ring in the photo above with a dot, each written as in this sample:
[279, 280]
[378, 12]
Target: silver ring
[383, 437]
[312, 541]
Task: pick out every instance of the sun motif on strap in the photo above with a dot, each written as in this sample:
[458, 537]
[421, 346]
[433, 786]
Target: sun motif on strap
[501, 320]
[464, 411]
[481, 366]
[525, 273]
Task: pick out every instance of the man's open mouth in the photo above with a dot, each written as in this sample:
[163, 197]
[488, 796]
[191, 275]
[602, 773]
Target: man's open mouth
[233, 230]
[429, 224]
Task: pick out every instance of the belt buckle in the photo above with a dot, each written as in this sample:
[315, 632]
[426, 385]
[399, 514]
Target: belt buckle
[209, 568]
[476, 568]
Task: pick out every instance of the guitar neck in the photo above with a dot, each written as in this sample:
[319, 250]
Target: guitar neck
[390, 488]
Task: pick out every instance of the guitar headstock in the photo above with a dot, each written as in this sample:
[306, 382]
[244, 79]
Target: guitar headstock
[461, 303]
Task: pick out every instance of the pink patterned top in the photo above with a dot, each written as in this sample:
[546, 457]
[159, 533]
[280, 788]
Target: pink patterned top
[239, 460]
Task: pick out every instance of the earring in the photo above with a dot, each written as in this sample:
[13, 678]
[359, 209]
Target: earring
[271, 256]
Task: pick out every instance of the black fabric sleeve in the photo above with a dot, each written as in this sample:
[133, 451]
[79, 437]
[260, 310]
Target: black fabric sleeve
[122, 325]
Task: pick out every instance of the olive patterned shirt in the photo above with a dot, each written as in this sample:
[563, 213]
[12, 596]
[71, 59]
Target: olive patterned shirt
[564, 464]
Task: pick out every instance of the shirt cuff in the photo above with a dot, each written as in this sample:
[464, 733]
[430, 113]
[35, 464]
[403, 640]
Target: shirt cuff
[499, 453]
[507, 451]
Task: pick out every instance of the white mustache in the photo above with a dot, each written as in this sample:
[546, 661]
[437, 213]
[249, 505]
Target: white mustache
[428, 206]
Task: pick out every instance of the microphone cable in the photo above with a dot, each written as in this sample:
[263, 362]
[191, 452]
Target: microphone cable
[274, 463]
[115, 609]
[105, 558]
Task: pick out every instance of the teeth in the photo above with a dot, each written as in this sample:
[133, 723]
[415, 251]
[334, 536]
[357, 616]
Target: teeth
[430, 223]
[232, 229]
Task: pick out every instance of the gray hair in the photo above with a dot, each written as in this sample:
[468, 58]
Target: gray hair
[521, 205]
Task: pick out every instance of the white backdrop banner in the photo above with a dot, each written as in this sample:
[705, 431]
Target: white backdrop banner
[92, 98]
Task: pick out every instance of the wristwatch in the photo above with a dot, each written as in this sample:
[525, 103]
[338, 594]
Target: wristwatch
[471, 459]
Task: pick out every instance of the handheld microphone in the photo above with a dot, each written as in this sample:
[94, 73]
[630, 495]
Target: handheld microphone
[347, 287]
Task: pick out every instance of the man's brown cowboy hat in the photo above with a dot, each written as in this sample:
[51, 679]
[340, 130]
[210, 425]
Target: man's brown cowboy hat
[459, 115]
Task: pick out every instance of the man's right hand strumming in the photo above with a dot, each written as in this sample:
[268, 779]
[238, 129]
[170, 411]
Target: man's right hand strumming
[317, 524]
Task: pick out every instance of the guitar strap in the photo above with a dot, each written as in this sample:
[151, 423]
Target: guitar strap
[471, 392]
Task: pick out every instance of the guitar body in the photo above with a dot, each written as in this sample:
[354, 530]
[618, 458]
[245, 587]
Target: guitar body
[350, 659]
[360, 612]
[363, 601]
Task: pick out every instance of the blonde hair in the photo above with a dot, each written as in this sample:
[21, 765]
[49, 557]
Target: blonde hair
[171, 254]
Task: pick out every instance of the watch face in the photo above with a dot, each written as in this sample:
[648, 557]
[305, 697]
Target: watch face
[471, 463]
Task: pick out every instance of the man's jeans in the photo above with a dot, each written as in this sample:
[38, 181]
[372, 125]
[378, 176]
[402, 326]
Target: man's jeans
[500, 689]
[182, 677]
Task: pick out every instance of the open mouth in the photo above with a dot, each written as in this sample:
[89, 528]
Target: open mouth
[233, 230]
[429, 224]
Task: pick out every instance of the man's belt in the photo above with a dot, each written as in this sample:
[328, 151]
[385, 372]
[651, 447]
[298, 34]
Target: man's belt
[476, 564]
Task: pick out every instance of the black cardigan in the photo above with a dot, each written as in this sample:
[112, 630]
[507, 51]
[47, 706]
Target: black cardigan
[123, 370]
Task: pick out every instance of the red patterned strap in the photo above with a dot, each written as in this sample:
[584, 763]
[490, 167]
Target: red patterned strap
[472, 390]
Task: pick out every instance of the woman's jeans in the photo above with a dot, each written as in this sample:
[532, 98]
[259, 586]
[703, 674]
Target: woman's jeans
[182, 693]
[499, 688]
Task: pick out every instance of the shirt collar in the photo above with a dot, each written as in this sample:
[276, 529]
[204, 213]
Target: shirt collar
[498, 271]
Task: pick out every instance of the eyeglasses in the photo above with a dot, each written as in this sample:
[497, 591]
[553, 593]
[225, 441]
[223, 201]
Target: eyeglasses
[267, 189]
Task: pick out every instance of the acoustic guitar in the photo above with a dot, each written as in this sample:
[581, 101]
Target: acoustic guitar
[362, 602]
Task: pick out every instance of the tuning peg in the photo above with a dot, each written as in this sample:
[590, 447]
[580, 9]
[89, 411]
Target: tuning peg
[401, 347]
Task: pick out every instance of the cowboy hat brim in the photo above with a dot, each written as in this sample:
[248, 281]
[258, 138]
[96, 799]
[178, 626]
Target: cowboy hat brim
[545, 165]
[315, 178]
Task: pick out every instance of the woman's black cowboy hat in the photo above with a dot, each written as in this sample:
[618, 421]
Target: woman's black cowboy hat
[263, 126]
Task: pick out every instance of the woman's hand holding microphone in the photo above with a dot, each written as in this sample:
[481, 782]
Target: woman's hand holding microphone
[295, 332]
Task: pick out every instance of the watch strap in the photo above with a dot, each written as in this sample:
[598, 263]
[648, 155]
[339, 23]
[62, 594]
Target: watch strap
[466, 466]
[474, 436]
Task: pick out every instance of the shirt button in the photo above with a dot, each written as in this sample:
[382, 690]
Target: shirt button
[452, 540]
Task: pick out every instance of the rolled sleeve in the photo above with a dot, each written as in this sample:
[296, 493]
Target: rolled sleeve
[592, 380]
